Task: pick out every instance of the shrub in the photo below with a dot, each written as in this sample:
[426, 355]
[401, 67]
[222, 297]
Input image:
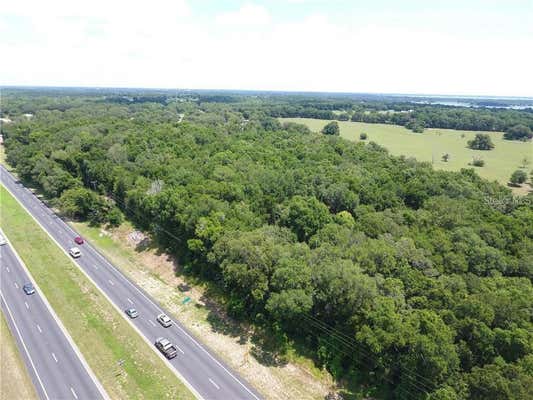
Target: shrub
[363, 136]
[478, 162]
[415, 126]
[518, 177]
[482, 141]
[115, 217]
[331, 128]
[518, 132]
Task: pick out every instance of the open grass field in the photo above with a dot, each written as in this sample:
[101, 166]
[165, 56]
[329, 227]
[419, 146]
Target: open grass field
[15, 383]
[500, 162]
[100, 333]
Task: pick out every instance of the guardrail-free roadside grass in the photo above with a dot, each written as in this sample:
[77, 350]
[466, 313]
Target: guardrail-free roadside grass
[15, 383]
[301, 379]
[100, 333]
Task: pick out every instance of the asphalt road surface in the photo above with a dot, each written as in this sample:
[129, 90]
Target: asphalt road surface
[206, 375]
[54, 366]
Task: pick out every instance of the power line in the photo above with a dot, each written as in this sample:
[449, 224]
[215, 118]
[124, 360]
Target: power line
[350, 355]
[340, 336]
[423, 389]
[350, 340]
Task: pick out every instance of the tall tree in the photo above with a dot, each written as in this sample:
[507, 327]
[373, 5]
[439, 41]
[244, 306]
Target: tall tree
[482, 141]
[331, 128]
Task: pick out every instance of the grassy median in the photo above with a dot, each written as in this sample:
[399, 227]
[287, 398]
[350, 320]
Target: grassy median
[155, 273]
[100, 333]
[15, 383]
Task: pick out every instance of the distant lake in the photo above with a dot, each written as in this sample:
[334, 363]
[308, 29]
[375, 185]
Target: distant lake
[476, 105]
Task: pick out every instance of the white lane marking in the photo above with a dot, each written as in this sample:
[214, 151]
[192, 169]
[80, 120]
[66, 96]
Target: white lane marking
[152, 322]
[110, 282]
[74, 393]
[180, 350]
[24, 345]
[131, 302]
[16, 285]
[7, 268]
[39, 329]
[214, 384]
[27, 306]
[211, 357]
[105, 396]
[95, 266]
[122, 276]
[55, 358]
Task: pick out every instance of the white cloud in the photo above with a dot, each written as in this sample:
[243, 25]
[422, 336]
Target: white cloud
[248, 14]
[165, 44]
[111, 9]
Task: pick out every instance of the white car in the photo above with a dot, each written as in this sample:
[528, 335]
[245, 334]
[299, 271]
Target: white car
[164, 320]
[2, 240]
[75, 252]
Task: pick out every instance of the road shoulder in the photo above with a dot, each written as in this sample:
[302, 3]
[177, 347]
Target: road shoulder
[15, 382]
[102, 335]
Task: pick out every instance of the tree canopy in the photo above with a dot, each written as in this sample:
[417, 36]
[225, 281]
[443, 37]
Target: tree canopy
[412, 282]
[518, 177]
[482, 141]
[518, 132]
[331, 128]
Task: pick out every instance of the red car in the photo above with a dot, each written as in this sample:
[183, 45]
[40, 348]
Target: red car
[78, 240]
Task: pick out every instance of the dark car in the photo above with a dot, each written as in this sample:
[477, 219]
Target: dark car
[132, 313]
[78, 240]
[28, 288]
[165, 347]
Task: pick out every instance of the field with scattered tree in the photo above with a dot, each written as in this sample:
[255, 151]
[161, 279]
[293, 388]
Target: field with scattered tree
[405, 282]
[433, 144]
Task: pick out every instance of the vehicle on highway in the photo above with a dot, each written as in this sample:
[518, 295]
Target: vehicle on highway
[78, 240]
[132, 313]
[28, 288]
[75, 252]
[165, 347]
[2, 240]
[164, 320]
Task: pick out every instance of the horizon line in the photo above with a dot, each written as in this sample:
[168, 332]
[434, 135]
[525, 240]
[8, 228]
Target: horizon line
[421, 95]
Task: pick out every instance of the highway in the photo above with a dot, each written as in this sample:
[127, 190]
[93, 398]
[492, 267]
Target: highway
[204, 373]
[53, 364]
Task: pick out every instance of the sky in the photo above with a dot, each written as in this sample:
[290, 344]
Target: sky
[466, 47]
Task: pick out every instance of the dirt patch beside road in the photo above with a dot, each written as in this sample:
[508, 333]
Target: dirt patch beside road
[160, 276]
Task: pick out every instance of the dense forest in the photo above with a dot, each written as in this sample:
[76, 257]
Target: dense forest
[514, 116]
[411, 115]
[414, 283]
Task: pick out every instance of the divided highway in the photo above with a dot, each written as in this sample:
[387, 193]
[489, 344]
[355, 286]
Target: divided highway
[54, 366]
[206, 375]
